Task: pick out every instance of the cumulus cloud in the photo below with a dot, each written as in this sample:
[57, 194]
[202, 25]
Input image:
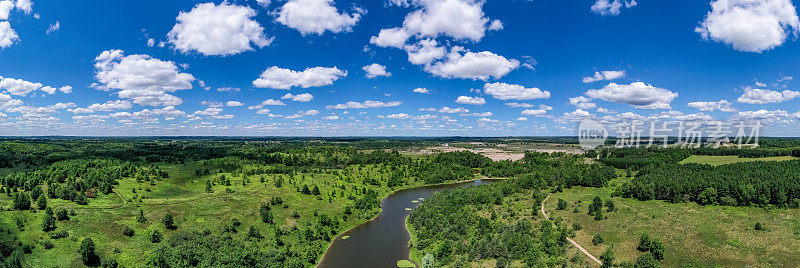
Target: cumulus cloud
[260, 107]
[40, 112]
[5, 9]
[145, 80]
[764, 96]
[399, 116]
[21, 87]
[762, 115]
[233, 104]
[424, 52]
[104, 107]
[458, 19]
[604, 75]
[505, 91]
[7, 35]
[316, 16]
[392, 37]
[471, 65]
[376, 70]
[208, 111]
[750, 25]
[637, 94]
[534, 112]
[218, 30]
[421, 90]
[582, 102]
[707, 106]
[471, 100]
[6, 101]
[24, 5]
[611, 7]
[365, 104]
[302, 113]
[449, 110]
[331, 117]
[305, 97]
[577, 115]
[279, 78]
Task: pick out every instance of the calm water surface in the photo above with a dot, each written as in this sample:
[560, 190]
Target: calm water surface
[382, 241]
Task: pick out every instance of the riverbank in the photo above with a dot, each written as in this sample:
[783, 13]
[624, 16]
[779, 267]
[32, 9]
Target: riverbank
[414, 255]
[384, 206]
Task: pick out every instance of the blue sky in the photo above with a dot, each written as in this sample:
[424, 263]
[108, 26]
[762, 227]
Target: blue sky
[300, 67]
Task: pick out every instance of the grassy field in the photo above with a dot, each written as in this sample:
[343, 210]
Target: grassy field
[694, 235]
[184, 196]
[730, 159]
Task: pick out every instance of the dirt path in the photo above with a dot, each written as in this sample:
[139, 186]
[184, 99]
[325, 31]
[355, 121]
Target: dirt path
[570, 240]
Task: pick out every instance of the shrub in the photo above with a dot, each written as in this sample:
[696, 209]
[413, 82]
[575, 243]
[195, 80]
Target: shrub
[647, 260]
[155, 237]
[562, 205]
[644, 243]
[597, 239]
[577, 226]
[127, 231]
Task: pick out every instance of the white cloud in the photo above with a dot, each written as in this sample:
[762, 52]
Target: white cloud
[228, 89]
[316, 16]
[576, 115]
[638, 94]
[604, 75]
[376, 70]
[264, 3]
[305, 97]
[208, 111]
[519, 105]
[522, 119]
[218, 30]
[750, 25]
[365, 104]
[40, 112]
[25, 5]
[145, 80]
[5, 9]
[534, 112]
[424, 52]
[471, 100]
[470, 65]
[54, 27]
[393, 37]
[762, 114]
[233, 104]
[707, 106]
[302, 113]
[764, 96]
[267, 102]
[505, 91]
[459, 19]
[279, 78]
[421, 90]
[331, 117]
[611, 7]
[6, 101]
[151, 42]
[104, 107]
[582, 102]
[7, 35]
[21, 87]
[449, 110]
[399, 116]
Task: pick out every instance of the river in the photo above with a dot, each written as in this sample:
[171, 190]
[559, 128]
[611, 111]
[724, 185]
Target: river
[383, 241]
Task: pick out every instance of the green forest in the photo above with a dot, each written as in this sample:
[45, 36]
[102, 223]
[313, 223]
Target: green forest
[261, 202]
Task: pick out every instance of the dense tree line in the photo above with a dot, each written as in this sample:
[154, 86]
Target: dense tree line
[748, 183]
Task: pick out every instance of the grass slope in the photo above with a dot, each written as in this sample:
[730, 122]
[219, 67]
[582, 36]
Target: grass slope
[730, 159]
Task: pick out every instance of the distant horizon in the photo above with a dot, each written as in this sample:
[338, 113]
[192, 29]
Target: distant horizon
[421, 68]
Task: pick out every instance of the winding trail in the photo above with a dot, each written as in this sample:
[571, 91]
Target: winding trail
[570, 240]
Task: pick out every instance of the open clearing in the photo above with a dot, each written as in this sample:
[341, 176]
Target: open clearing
[715, 160]
[694, 235]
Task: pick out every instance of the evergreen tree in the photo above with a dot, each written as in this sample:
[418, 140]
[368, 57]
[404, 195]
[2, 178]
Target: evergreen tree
[168, 222]
[141, 218]
[644, 243]
[41, 202]
[608, 257]
[48, 222]
[87, 253]
[657, 248]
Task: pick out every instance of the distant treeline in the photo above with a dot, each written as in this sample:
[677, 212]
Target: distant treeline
[636, 158]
